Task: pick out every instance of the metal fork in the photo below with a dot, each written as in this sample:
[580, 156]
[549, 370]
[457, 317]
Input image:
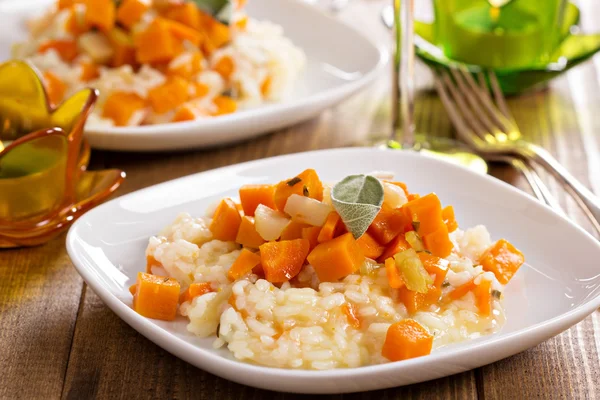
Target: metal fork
[488, 127]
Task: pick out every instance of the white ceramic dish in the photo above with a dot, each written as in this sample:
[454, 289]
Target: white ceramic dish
[558, 286]
[340, 61]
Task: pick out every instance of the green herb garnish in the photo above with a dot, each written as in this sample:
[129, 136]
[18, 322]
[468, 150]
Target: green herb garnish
[220, 9]
[416, 225]
[497, 294]
[305, 191]
[445, 284]
[293, 181]
[357, 199]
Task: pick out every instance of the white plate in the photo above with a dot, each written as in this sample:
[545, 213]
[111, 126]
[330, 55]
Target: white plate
[340, 61]
[558, 286]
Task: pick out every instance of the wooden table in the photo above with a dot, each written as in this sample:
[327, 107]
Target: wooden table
[57, 339]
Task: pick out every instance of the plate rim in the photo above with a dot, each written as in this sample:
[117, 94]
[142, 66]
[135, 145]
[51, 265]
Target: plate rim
[227, 368]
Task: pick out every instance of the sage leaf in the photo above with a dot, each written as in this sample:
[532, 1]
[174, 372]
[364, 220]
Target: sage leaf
[357, 199]
[222, 10]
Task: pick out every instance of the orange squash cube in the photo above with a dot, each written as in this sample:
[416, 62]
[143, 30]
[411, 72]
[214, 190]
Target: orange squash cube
[156, 297]
[307, 183]
[370, 247]
[438, 242]
[155, 44]
[281, 261]
[121, 107]
[226, 221]
[253, 195]
[247, 235]
[100, 13]
[388, 224]
[66, 48]
[187, 14]
[168, 96]
[243, 265]
[195, 290]
[336, 258]
[130, 12]
[406, 339]
[55, 88]
[503, 259]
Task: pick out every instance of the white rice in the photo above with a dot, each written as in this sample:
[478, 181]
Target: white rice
[306, 327]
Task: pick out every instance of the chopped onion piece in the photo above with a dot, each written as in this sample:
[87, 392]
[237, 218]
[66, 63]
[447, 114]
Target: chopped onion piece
[369, 266]
[413, 273]
[382, 175]
[393, 196]
[269, 223]
[414, 240]
[97, 46]
[306, 210]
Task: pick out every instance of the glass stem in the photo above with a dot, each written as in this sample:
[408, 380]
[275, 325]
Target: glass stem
[404, 62]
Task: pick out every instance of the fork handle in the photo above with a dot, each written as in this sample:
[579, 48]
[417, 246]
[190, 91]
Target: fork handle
[546, 160]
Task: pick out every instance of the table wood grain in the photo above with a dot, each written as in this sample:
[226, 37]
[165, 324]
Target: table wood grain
[58, 340]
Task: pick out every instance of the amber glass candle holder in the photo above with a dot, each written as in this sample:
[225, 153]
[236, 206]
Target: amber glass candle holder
[44, 181]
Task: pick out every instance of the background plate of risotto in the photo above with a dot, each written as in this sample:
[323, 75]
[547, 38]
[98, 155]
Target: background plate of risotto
[172, 77]
[324, 347]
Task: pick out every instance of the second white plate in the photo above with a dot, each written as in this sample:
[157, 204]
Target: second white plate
[340, 61]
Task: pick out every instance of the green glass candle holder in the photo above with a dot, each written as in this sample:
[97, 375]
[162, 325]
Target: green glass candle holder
[44, 182]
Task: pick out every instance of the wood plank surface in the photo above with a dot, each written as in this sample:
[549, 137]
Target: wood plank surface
[57, 338]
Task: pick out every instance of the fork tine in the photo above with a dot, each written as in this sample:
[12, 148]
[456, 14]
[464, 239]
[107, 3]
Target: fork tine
[464, 78]
[485, 98]
[467, 112]
[501, 102]
[459, 113]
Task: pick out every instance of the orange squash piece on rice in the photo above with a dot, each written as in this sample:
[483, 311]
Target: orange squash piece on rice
[168, 96]
[130, 12]
[195, 290]
[156, 297]
[370, 247]
[281, 261]
[253, 195]
[388, 224]
[406, 339]
[503, 259]
[336, 258]
[226, 221]
[307, 183]
[247, 235]
[121, 107]
[243, 265]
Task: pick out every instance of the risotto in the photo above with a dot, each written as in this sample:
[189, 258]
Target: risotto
[159, 61]
[285, 277]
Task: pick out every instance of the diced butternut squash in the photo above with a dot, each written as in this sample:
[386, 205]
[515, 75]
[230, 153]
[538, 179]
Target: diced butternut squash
[449, 218]
[336, 258]
[156, 43]
[293, 231]
[195, 290]
[435, 266]
[132, 289]
[185, 112]
[100, 14]
[462, 290]
[370, 247]
[66, 48]
[218, 34]
[121, 107]
[225, 67]
[397, 245]
[183, 32]
[406, 339]
[247, 235]
[89, 71]
[393, 274]
[328, 229]
[75, 23]
[243, 265]
[351, 312]
[130, 12]
[156, 297]
[415, 301]
[123, 48]
[253, 195]
[63, 4]
[168, 96]
[438, 242]
[225, 105]
[388, 224]
[306, 183]
[200, 89]
[483, 297]
[503, 259]
[226, 221]
[186, 13]
[311, 234]
[426, 212]
[281, 261]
